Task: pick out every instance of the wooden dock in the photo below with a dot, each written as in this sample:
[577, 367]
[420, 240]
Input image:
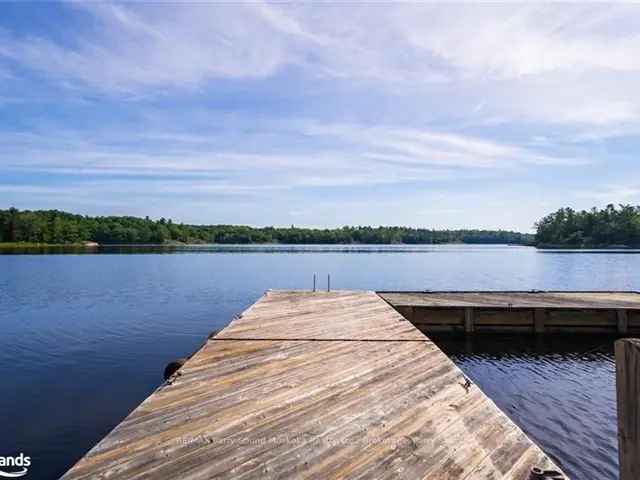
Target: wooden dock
[616, 313]
[316, 385]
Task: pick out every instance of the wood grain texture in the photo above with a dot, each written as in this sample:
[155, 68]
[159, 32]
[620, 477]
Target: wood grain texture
[524, 312]
[628, 392]
[568, 300]
[315, 385]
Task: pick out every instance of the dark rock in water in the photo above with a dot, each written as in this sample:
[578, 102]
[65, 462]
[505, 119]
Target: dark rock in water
[173, 367]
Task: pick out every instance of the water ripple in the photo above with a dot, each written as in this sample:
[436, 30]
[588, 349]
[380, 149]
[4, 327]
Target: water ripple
[560, 391]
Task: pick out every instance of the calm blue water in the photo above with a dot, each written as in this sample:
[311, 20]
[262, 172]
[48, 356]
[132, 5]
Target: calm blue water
[85, 337]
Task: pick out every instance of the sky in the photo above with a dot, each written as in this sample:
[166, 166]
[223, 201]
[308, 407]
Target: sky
[320, 114]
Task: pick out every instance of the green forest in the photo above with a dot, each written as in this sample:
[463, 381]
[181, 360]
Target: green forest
[56, 227]
[607, 227]
[610, 226]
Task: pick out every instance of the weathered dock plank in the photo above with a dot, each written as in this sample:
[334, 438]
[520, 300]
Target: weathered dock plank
[315, 385]
[533, 312]
[514, 299]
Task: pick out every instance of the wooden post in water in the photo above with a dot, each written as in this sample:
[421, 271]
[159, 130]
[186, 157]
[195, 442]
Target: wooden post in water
[623, 322]
[468, 320]
[628, 389]
[539, 319]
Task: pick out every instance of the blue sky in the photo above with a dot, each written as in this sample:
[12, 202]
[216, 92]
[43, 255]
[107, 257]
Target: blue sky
[320, 114]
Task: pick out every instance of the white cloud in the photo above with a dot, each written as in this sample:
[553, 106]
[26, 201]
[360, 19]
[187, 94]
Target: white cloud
[415, 146]
[508, 41]
[141, 46]
[274, 101]
[612, 193]
[334, 155]
[556, 63]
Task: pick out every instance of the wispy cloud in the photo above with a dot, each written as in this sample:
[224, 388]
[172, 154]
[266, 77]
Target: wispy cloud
[612, 193]
[516, 40]
[416, 146]
[162, 45]
[543, 62]
[272, 103]
[334, 155]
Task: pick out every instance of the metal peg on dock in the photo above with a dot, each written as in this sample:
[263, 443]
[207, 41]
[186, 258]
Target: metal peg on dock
[539, 474]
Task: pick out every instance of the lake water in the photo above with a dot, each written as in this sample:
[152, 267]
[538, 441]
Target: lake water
[85, 337]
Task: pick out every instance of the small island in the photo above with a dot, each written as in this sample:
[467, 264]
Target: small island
[610, 227]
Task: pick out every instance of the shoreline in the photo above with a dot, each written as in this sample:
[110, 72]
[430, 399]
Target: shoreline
[27, 245]
[9, 245]
[95, 246]
[543, 246]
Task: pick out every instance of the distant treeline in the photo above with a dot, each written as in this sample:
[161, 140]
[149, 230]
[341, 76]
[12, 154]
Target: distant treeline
[607, 227]
[56, 227]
